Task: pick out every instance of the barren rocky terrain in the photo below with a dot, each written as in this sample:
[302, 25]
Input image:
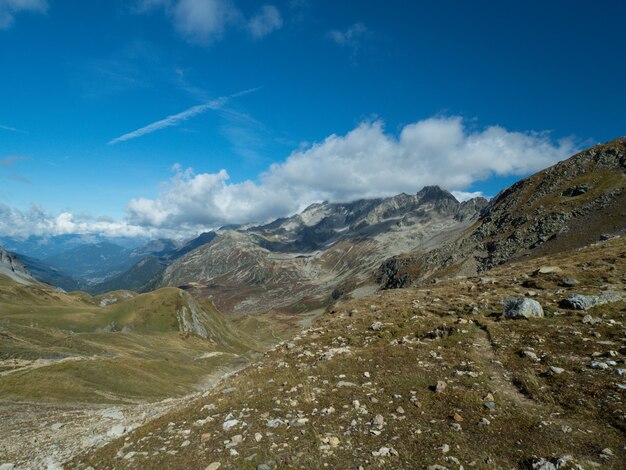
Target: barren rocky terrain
[451, 375]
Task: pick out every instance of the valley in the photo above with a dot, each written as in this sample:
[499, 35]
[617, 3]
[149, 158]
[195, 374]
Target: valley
[377, 333]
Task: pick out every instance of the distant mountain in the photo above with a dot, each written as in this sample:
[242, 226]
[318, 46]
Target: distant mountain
[135, 278]
[13, 267]
[92, 263]
[569, 205]
[44, 272]
[145, 274]
[41, 247]
[190, 245]
[301, 262]
[160, 247]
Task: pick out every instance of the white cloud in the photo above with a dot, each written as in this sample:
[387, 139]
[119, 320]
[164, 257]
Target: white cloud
[351, 37]
[202, 21]
[365, 163]
[9, 128]
[36, 221]
[176, 119]
[205, 21]
[466, 196]
[268, 19]
[10, 8]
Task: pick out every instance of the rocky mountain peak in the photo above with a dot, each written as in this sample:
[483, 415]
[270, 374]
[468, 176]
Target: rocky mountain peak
[434, 194]
[568, 205]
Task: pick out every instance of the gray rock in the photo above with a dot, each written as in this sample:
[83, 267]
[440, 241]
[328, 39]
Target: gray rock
[543, 464]
[263, 466]
[580, 302]
[274, 423]
[599, 365]
[569, 282]
[576, 190]
[521, 307]
[585, 302]
[530, 355]
[117, 430]
[376, 326]
[589, 320]
[231, 423]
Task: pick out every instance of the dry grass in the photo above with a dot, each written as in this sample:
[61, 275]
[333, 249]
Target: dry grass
[451, 331]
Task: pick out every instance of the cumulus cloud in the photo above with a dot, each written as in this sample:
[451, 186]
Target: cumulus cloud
[367, 162]
[265, 21]
[205, 21]
[36, 221]
[10, 8]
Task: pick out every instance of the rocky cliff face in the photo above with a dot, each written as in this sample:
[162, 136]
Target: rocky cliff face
[568, 205]
[300, 262]
[12, 266]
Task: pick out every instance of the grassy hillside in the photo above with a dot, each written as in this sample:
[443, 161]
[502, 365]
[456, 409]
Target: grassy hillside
[120, 346]
[414, 378]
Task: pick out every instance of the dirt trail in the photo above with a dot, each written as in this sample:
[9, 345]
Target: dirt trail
[23, 365]
[498, 375]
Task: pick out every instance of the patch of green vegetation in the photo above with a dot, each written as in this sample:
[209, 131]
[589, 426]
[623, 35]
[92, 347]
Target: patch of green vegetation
[116, 347]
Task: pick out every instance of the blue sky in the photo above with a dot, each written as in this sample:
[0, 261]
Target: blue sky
[276, 105]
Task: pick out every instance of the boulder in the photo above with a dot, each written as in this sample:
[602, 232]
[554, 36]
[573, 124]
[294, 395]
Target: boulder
[585, 302]
[521, 307]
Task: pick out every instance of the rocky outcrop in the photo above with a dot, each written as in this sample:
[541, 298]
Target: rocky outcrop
[13, 267]
[568, 205]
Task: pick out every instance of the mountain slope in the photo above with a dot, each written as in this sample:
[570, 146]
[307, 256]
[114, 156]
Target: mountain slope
[568, 205]
[297, 263]
[117, 347]
[47, 273]
[433, 378]
[12, 267]
[145, 274]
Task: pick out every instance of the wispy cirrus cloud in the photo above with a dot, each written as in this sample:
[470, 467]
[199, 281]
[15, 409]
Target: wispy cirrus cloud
[10, 129]
[175, 119]
[10, 8]
[8, 162]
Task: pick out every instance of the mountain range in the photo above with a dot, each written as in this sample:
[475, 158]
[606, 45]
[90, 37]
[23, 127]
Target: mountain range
[329, 250]
[389, 331]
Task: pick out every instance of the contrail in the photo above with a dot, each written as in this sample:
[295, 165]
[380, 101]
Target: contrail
[175, 119]
[11, 129]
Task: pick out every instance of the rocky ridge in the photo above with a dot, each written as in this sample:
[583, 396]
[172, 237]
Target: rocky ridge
[303, 262]
[568, 205]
